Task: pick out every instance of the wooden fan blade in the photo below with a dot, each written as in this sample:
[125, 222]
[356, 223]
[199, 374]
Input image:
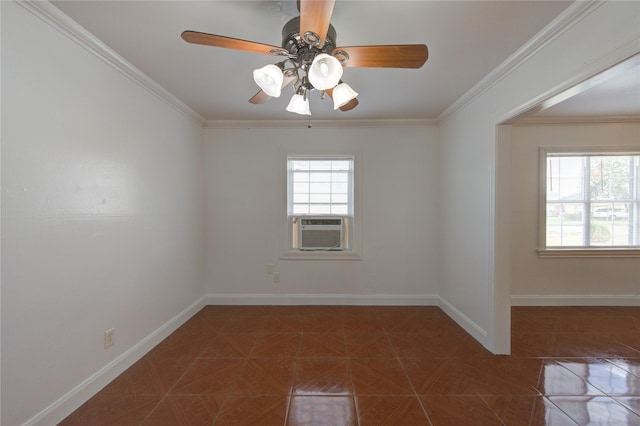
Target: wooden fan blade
[314, 19]
[392, 56]
[346, 107]
[350, 105]
[261, 97]
[231, 43]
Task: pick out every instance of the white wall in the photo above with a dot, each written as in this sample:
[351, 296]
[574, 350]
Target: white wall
[101, 214]
[244, 196]
[606, 35]
[535, 280]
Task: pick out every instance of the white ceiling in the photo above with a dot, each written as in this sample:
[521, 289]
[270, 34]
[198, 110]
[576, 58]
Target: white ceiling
[613, 93]
[466, 40]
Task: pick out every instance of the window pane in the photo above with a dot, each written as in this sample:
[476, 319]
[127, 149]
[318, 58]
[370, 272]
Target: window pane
[571, 189]
[565, 236]
[300, 188]
[300, 198]
[571, 167]
[300, 165]
[565, 179]
[300, 208]
[320, 165]
[339, 198]
[341, 165]
[611, 178]
[320, 187]
[341, 209]
[610, 233]
[339, 188]
[566, 229]
[320, 208]
[553, 210]
[301, 177]
[340, 177]
[610, 211]
[320, 198]
[320, 177]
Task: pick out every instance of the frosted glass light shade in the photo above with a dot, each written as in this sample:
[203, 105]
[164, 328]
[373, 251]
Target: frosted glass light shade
[270, 79]
[299, 105]
[342, 94]
[325, 72]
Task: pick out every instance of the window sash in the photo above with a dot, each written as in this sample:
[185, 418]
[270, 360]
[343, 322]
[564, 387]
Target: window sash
[578, 212]
[320, 185]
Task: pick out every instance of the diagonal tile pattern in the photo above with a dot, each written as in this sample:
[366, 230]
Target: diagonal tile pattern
[317, 365]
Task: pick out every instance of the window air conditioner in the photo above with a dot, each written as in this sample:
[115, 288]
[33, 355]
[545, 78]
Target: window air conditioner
[321, 233]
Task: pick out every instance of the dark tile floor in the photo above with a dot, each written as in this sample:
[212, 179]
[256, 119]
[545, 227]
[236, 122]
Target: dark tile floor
[380, 365]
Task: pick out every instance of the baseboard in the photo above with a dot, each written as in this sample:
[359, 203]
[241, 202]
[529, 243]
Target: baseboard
[465, 322]
[576, 300]
[324, 299]
[73, 399]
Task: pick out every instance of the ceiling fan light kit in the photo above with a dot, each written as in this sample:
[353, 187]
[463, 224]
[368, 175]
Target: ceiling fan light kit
[312, 60]
[299, 104]
[270, 79]
[325, 72]
[342, 94]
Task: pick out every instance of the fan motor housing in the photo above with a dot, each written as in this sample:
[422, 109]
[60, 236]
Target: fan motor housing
[293, 43]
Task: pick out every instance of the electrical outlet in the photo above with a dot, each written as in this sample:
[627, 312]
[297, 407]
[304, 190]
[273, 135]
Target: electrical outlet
[270, 268]
[276, 277]
[109, 337]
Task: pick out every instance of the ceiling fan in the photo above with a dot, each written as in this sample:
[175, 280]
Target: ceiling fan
[311, 60]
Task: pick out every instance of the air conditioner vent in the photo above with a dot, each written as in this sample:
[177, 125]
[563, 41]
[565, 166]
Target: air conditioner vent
[317, 221]
[321, 233]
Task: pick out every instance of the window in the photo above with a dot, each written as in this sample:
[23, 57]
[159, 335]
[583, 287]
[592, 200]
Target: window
[320, 186]
[591, 200]
[320, 203]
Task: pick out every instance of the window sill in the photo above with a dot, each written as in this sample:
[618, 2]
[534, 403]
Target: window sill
[320, 255]
[589, 253]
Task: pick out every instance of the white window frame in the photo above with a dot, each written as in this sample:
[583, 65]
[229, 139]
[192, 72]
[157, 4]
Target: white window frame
[354, 218]
[576, 251]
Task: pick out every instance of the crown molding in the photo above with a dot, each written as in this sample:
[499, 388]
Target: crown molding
[594, 119]
[575, 13]
[304, 122]
[57, 19]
